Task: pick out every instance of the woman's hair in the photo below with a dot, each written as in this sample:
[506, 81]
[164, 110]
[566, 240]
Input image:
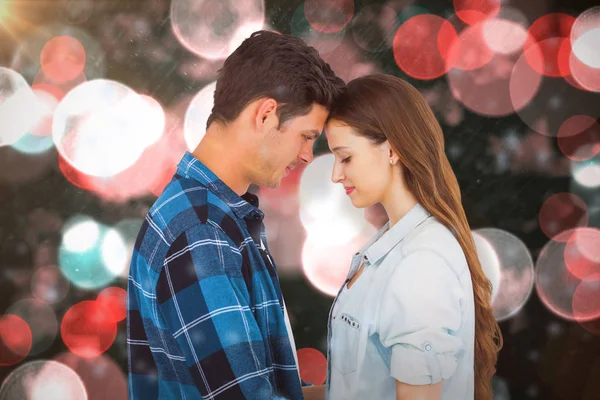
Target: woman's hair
[383, 107]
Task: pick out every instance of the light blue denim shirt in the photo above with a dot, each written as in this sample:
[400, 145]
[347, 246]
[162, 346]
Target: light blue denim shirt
[408, 317]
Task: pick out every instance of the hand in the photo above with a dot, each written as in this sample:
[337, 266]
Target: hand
[314, 392]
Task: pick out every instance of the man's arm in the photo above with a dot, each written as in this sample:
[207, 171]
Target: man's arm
[204, 303]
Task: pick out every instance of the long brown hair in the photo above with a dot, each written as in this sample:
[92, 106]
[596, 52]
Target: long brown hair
[383, 107]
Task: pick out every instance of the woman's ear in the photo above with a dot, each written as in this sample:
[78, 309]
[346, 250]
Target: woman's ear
[392, 155]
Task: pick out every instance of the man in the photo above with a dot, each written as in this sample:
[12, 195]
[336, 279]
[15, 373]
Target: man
[206, 318]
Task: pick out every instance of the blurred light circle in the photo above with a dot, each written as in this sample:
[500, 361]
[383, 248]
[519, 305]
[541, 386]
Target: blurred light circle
[73, 175]
[155, 118]
[516, 274]
[62, 58]
[41, 318]
[48, 104]
[424, 46]
[312, 365]
[554, 283]
[586, 76]
[473, 51]
[555, 102]
[100, 127]
[15, 340]
[76, 11]
[101, 376]
[579, 137]
[196, 116]
[33, 144]
[114, 252]
[587, 173]
[561, 212]
[329, 16]
[587, 49]
[211, 29]
[128, 229]
[475, 11]
[551, 25]
[49, 285]
[19, 108]
[80, 254]
[57, 90]
[374, 26]
[586, 299]
[498, 88]
[585, 37]
[86, 331]
[113, 303]
[43, 380]
[326, 266]
[326, 211]
[49, 89]
[504, 36]
[582, 253]
[28, 61]
[323, 42]
[490, 263]
[592, 326]
[549, 33]
[80, 234]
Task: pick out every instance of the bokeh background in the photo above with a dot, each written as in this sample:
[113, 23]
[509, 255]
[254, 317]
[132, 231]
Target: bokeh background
[100, 99]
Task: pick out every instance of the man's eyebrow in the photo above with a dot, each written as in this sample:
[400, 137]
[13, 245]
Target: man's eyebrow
[315, 133]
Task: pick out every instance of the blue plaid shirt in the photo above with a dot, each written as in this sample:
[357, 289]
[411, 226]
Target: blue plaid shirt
[205, 312]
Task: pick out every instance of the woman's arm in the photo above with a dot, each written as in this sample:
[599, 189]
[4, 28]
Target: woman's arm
[404, 391]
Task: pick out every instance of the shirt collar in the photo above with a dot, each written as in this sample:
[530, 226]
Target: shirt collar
[242, 206]
[384, 241]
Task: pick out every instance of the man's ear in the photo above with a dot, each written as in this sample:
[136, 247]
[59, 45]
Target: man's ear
[266, 114]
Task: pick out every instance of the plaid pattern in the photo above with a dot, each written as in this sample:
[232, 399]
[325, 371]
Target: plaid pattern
[205, 311]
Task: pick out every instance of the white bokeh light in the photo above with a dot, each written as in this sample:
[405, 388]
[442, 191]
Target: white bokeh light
[214, 29]
[114, 252]
[81, 236]
[326, 211]
[20, 109]
[194, 126]
[100, 127]
[489, 261]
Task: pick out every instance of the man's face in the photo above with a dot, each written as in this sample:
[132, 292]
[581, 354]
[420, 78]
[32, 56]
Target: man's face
[281, 150]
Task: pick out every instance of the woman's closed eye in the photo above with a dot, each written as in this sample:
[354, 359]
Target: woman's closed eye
[346, 160]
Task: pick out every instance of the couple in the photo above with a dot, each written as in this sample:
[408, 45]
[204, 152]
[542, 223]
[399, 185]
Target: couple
[206, 317]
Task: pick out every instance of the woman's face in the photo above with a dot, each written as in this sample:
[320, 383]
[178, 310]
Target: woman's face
[362, 167]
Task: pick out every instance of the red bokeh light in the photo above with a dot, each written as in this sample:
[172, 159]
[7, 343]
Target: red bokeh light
[475, 11]
[312, 365]
[15, 340]
[328, 16]
[63, 58]
[560, 212]
[579, 137]
[582, 253]
[113, 303]
[86, 331]
[426, 46]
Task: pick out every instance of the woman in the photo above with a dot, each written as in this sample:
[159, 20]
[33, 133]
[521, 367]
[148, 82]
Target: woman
[413, 320]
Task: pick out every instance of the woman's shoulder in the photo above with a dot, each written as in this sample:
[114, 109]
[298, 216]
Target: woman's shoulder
[433, 236]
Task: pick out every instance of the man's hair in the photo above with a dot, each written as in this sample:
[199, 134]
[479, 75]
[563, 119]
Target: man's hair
[279, 66]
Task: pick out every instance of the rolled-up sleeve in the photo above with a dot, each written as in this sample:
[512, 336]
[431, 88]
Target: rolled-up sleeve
[419, 313]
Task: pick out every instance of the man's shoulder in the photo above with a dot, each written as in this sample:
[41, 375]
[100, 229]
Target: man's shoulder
[187, 204]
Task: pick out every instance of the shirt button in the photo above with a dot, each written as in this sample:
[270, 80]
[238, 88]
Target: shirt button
[427, 346]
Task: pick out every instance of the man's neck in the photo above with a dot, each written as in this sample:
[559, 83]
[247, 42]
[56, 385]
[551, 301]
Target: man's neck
[223, 159]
